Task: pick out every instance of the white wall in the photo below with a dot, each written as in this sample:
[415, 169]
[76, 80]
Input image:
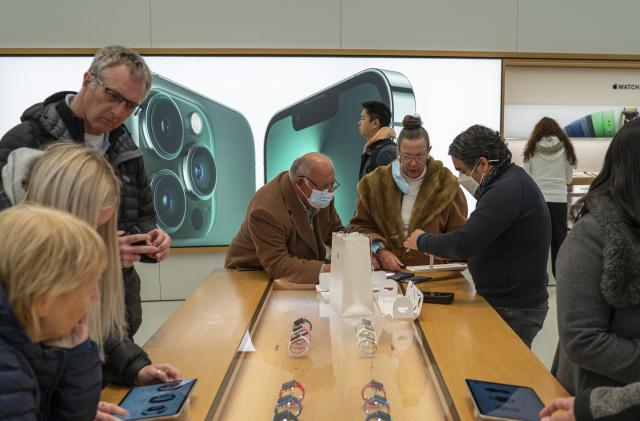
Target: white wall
[580, 26]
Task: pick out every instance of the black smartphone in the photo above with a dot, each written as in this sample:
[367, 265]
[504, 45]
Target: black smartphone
[438, 297]
[416, 279]
[399, 276]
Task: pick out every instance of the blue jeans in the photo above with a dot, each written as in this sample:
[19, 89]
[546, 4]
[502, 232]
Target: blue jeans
[526, 322]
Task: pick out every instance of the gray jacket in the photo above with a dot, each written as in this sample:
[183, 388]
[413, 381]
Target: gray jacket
[598, 297]
[608, 404]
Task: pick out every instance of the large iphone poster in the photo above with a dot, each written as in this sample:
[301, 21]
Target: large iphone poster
[215, 128]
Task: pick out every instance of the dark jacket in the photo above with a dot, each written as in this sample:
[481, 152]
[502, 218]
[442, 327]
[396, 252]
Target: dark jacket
[53, 120]
[608, 404]
[598, 295]
[378, 154]
[506, 241]
[39, 383]
[123, 359]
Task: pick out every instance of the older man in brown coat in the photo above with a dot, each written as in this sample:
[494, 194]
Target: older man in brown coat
[289, 223]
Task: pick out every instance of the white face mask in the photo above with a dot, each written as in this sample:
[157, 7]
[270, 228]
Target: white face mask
[467, 182]
[318, 199]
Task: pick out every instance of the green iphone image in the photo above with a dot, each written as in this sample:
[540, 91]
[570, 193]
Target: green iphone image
[327, 122]
[199, 156]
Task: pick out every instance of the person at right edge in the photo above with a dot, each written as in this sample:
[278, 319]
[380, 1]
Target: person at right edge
[549, 158]
[599, 404]
[598, 288]
[506, 238]
[373, 126]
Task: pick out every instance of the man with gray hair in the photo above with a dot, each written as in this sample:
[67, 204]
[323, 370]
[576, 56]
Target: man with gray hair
[113, 88]
[289, 223]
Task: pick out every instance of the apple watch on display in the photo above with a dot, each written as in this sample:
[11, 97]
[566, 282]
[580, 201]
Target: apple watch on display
[373, 388]
[293, 388]
[286, 416]
[378, 416]
[289, 403]
[299, 344]
[376, 403]
[303, 321]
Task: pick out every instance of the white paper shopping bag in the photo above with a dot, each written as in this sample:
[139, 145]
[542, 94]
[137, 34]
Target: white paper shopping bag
[351, 281]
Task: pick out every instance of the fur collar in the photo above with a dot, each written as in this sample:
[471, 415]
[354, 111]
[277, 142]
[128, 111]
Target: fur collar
[383, 200]
[620, 283]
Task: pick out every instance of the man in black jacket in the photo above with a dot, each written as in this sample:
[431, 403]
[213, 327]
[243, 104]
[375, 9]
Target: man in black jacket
[506, 238]
[117, 81]
[373, 126]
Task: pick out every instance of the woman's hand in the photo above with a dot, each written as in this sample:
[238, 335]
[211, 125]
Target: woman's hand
[388, 260]
[106, 412]
[157, 373]
[548, 413]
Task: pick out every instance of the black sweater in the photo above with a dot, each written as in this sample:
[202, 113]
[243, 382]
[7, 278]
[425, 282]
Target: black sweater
[505, 240]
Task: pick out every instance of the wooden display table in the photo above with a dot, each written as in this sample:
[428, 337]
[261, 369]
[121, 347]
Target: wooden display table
[422, 364]
[202, 337]
[469, 340]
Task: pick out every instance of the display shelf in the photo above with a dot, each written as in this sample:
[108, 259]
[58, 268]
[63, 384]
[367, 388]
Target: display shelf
[422, 364]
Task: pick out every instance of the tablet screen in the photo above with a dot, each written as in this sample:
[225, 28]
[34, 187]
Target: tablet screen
[156, 400]
[505, 401]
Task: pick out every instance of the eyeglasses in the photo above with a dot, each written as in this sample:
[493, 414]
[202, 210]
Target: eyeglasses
[115, 98]
[331, 188]
[420, 158]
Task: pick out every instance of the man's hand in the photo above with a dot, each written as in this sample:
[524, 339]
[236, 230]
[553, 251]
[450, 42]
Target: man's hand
[325, 268]
[157, 373]
[375, 264]
[388, 260]
[106, 412]
[548, 413]
[162, 242]
[412, 241]
[78, 335]
[132, 246]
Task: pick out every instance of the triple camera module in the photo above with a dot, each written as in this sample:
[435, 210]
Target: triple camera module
[177, 143]
[183, 136]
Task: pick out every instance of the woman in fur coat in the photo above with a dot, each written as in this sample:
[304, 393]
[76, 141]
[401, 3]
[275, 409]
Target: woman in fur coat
[415, 191]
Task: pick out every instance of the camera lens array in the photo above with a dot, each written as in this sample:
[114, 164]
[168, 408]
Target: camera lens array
[367, 339]
[300, 338]
[182, 164]
[376, 405]
[289, 404]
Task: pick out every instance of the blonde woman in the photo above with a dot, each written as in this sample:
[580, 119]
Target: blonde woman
[78, 179]
[51, 264]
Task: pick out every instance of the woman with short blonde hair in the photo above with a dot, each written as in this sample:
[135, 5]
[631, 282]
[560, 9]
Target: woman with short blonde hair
[51, 264]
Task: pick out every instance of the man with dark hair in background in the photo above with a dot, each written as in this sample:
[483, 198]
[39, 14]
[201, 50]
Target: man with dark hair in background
[373, 126]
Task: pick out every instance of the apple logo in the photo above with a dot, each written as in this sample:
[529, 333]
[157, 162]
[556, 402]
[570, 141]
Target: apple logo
[615, 86]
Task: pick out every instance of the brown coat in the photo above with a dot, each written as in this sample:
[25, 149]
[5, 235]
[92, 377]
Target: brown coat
[276, 235]
[440, 207]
